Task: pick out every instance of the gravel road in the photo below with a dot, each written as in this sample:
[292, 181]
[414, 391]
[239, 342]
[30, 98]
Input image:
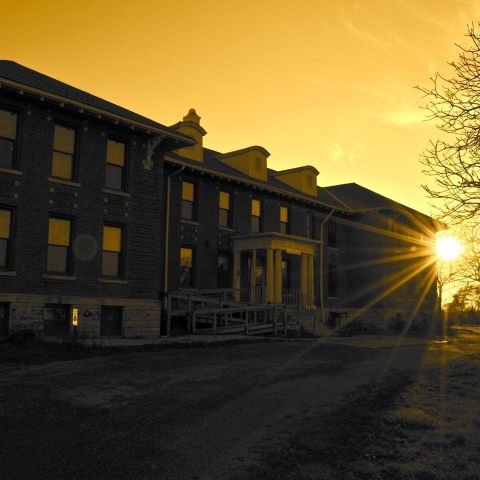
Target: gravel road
[187, 413]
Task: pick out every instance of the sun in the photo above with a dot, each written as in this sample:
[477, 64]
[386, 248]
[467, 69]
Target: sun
[448, 247]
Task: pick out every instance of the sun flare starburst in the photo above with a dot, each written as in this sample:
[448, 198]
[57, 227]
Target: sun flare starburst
[448, 247]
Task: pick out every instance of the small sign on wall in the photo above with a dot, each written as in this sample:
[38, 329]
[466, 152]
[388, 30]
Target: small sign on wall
[75, 317]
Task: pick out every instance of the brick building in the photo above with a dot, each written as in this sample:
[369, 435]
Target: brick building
[80, 209]
[105, 210]
[342, 249]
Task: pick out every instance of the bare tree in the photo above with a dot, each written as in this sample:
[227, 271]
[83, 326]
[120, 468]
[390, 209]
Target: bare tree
[454, 160]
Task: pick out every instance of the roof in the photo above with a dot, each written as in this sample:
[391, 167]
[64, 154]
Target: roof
[360, 198]
[15, 72]
[213, 164]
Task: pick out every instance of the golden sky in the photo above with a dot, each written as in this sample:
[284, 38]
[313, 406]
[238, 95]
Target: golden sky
[326, 83]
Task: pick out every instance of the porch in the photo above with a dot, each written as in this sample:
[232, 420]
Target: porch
[274, 268]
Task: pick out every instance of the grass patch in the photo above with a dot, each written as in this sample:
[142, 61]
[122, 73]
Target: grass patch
[409, 426]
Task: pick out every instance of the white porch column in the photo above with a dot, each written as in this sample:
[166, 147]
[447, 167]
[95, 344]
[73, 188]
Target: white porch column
[236, 275]
[303, 279]
[270, 286]
[253, 268]
[278, 277]
[311, 281]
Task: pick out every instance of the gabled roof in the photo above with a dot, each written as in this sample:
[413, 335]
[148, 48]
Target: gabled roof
[15, 72]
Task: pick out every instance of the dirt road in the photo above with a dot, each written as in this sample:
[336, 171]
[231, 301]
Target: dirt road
[190, 413]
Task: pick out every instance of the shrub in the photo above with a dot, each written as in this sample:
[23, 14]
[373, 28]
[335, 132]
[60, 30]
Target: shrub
[358, 327]
[21, 336]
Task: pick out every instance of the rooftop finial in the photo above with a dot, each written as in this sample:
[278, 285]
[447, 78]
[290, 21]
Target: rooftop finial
[192, 116]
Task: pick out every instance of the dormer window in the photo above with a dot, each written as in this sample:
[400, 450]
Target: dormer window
[309, 181]
[258, 164]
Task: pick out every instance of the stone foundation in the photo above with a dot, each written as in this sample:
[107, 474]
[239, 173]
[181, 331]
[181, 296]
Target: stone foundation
[140, 318]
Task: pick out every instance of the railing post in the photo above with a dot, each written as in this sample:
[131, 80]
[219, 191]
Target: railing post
[214, 323]
[194, 322]
[246, 322]
[169, 314]
[274, 320]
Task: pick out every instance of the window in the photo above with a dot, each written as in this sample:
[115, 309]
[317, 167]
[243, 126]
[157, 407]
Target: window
[332, 281]
[188, 201]
[63, 152]
[3, 319]
[5, 238]
[223, 270]
[332, 234]
[186, 267]
[258, 164]
[8, 137]
[59, 241]
[256, 215]
[111, 321]
[283, 219]
[224, 209]
[115, 165]
[309, 225]
[112, 261]
[56, 320]
[309, 182]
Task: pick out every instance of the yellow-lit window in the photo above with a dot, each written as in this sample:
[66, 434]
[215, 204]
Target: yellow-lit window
[115, 165]
[186, 267]
[59, 239]
[188, 201]
[224, 209]
[256, 224]
[8, 137]
[284, 219]
[63, 152]
[5, 237]
[112, 261]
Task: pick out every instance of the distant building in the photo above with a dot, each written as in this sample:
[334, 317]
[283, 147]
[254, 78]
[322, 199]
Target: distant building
[106, 211]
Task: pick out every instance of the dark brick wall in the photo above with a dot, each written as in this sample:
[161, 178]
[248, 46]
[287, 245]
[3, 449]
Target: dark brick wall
[34, 197]
[205, 235]
[365, 276]
[357, 285]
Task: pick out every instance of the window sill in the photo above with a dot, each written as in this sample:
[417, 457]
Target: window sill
[12, 171]
[64, 181]
[68, 278]
[8, 273]
[189, 222]
[226, 229]
[118, 281]
[120, 193]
